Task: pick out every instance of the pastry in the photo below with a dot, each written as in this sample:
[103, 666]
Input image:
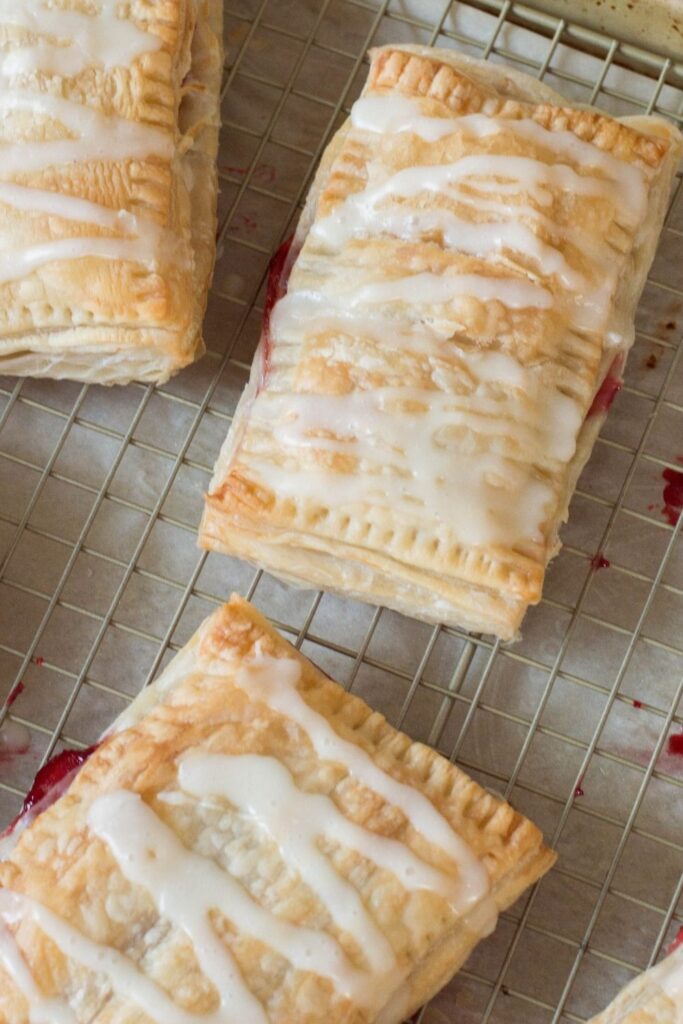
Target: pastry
[445, 334]
[655, 997]
[251, 843]
[107, 185]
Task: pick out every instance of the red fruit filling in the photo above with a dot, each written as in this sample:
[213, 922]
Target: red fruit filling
[50, 782]
[609, 389]
[278, 277]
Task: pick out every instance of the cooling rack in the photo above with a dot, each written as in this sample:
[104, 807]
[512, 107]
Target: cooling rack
[576, 724]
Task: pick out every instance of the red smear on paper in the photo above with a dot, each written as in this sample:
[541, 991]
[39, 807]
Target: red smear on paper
[278, 278]
[265, 174]
[244, 223]
[609, 389]
[17, 690]
[675, 744]
[599, 562]
[672, 495]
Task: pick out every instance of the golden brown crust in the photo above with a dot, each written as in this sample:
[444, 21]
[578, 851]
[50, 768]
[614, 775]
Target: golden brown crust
[408, 557]
[197, 706]
[418, 75]
[113, 320]
[649, 999]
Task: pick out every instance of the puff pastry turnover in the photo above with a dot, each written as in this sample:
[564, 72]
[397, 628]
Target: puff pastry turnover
[107, 185]
[655, 997]
[252, 844]
[428, 385]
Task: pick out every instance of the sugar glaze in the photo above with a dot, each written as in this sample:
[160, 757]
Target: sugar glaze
[187, 887]
[101, 38]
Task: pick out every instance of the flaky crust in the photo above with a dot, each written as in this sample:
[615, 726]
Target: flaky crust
[648, 999]
[415, 564]
[108, 320]
[196, 705]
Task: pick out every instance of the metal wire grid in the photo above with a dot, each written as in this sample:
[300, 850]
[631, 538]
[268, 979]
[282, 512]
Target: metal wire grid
[504, 992]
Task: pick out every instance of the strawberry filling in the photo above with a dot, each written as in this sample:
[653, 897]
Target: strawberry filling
[278, 277]
[609, 389]
[50, 783]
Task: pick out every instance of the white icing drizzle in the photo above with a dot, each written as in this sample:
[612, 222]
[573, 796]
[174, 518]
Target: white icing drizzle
[488, 239]
[41, 1009]
[121, 973]
[186, 886]
[263, 788]
[141, 243]
[417, 451]
[485, 497]
[519, 174]
[274, 681]
[491, 174]
[100, 38]
[98, 136]
[75, 41]
[438, 289]
[482, 182]
[391, 114]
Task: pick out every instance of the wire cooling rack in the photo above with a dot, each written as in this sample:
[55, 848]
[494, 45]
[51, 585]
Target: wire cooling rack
[100, 497]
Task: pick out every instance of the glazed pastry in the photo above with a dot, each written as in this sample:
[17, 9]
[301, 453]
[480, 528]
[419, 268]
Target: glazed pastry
[445, 334]
[655, 997]
[252, 844]
[107, 185]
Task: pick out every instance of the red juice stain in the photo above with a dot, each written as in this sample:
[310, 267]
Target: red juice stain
[599, 562]
[244, 223]
[18, 689]
[278, 276]
[579, 788]
[265, 173]
[651, 361]
[672, 495]
[608, 390]
[39, 661]
[46, 786]
[637, 703]
[675, 744]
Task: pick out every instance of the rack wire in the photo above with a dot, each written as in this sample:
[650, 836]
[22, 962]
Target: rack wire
[101, 582]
